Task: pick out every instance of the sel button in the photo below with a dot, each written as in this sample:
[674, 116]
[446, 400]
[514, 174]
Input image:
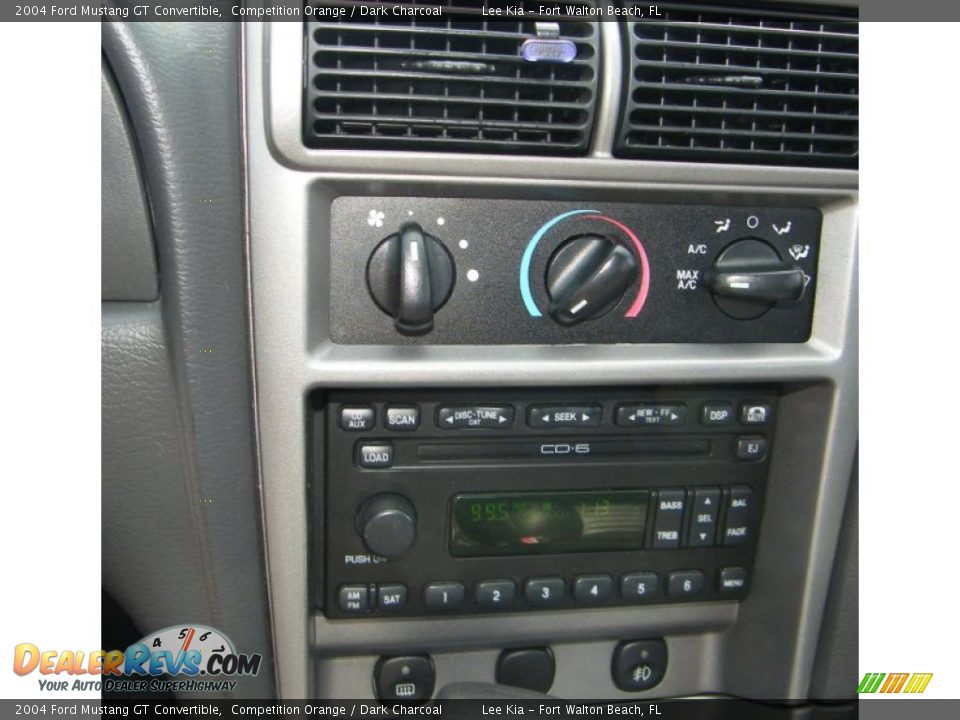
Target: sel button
[703, 524]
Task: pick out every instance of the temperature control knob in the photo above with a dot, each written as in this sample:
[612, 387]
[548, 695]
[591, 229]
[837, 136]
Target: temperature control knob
[410, 276]
[388, 524]
[587, 276]
[749, 277]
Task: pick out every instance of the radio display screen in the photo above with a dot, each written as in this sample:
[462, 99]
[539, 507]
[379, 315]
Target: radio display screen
[488, 524]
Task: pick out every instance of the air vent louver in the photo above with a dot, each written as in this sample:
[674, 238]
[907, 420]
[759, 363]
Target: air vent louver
[456, 83]
[709, 84]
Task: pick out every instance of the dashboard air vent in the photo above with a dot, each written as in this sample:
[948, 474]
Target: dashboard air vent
[710, 84]
[450, 83]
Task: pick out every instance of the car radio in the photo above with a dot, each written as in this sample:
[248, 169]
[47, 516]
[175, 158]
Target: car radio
[453, 502]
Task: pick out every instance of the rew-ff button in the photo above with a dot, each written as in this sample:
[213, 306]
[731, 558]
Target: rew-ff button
[652, 415]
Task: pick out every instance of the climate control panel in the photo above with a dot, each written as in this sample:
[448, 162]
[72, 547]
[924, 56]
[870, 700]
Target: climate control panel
[470, 271]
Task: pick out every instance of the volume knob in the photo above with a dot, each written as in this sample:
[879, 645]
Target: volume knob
[388, 524]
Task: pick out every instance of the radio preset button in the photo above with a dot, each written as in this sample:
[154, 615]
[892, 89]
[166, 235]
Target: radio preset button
[375, 455]
[495, 594]
[357, 419]
[640, 587]
[391, 597]
[736, 530]
[354, 598]
[544, 592]
[703, 524]
[669, 519]
[443, 595]
[652, 415]
[685, 583]
[752, 447]
[475, 416]
[755, 413]
[716, 414]
[548, 416]
[593, 589]
[402, 418]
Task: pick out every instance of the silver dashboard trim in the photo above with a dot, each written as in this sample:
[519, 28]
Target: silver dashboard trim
[289, 192]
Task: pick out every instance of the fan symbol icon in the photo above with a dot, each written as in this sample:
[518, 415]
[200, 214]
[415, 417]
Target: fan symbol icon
[375, 218]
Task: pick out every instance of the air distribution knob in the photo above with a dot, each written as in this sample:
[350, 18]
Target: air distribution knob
[749, 277]
[410, 276]
[587, 276]
[388, 524]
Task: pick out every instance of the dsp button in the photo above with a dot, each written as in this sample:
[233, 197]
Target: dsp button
[716, 414]
[652, 414]
[736, 529]
[458, 418]
[666, 526]
[544, 416]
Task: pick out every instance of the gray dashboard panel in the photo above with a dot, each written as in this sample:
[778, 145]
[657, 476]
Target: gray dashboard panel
[290, 191]
[192, 161]
[128, 262]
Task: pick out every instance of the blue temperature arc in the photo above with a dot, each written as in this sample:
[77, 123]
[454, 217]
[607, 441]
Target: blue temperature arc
[525, 290]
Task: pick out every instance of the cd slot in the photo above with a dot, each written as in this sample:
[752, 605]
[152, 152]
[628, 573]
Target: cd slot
[552, 450]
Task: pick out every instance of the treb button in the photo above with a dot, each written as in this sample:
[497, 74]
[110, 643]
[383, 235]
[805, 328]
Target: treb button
[669, 519]
[548, 416]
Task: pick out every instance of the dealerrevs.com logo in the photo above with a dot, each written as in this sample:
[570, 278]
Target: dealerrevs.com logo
[894, 683]
[201, 658]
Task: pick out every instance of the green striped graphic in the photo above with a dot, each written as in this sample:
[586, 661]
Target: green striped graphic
[870, 682]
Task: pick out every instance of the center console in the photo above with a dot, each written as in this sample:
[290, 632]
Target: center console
[584, 410]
